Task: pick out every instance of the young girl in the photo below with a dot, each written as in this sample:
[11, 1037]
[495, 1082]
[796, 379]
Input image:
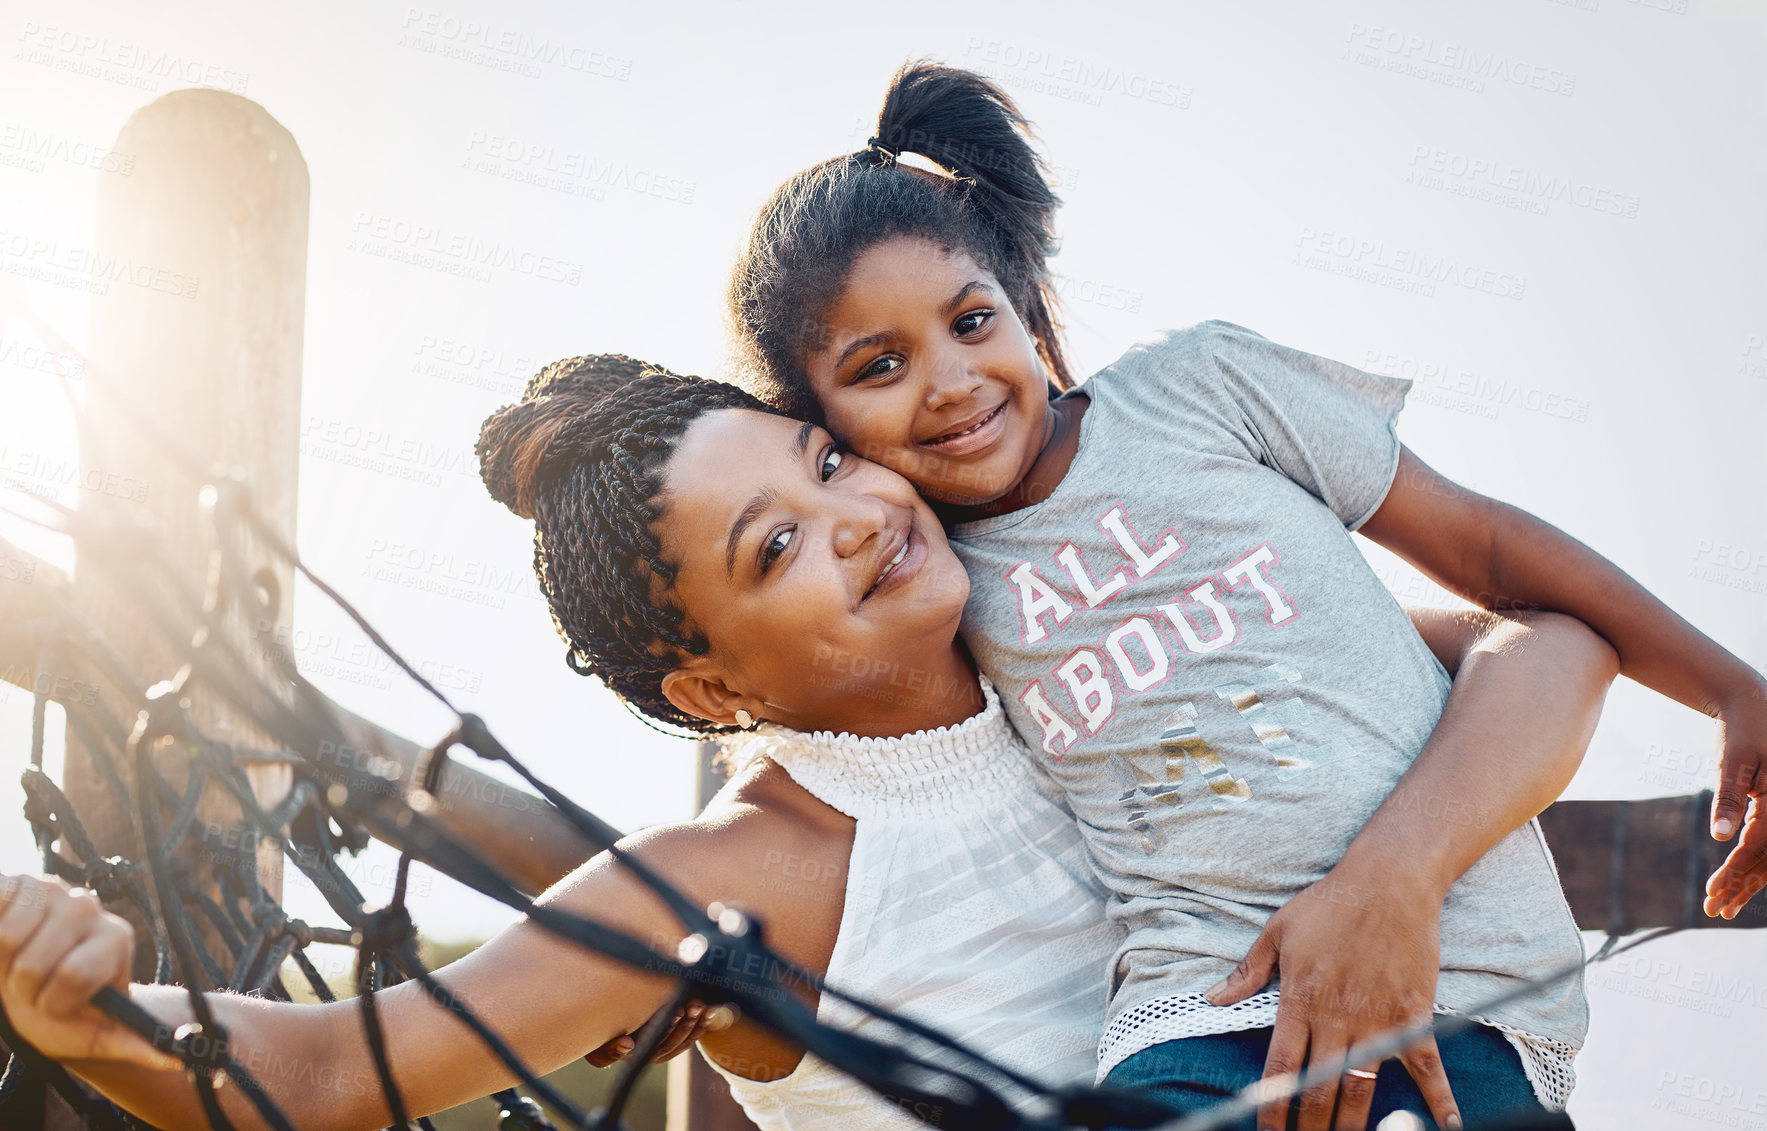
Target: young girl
[1168, 598]
[713, 561]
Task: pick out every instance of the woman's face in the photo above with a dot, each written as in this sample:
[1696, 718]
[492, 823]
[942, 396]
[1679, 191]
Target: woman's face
[928, 370]
[818, 578]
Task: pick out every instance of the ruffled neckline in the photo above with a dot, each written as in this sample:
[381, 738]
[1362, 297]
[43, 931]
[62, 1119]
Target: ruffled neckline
[929, 772]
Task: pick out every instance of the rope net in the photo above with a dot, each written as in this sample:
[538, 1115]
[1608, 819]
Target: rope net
[227, 933]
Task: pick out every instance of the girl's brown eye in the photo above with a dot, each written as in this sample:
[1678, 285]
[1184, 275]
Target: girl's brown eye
[775, 546]
[831, 462]
[876, 368]
[971, 323]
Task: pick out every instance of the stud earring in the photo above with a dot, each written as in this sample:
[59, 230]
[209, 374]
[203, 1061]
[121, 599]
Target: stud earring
[744, 719]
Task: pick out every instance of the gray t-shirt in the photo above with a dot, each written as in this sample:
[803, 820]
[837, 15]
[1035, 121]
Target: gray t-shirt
[1221, 685]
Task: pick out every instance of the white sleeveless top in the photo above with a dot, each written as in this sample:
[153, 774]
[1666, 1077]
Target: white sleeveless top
[970, 907]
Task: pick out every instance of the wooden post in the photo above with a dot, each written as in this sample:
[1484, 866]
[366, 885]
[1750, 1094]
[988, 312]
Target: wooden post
[195, 335]
[699, 1099]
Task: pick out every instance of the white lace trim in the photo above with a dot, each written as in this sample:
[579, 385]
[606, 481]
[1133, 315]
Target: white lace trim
[927, 773]
[1174, 1018]
[1548, 1063]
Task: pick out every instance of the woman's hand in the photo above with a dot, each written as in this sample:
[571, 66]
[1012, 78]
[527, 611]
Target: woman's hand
[1358, 955]
[58, 947]
[1742, 784]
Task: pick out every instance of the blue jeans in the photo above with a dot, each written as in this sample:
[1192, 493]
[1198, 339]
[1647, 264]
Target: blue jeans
[1198, 1072]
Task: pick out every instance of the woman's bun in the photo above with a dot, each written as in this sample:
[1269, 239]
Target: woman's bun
[516, 441]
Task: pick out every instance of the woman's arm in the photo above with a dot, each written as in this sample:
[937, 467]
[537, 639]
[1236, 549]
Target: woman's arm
[528, 841]
[549, 999]
[314, 1060]
[1527, 693]
[1499, 556]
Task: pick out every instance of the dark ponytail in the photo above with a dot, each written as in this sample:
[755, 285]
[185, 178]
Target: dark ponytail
[584, 455]
[996, 205]
[969, 126]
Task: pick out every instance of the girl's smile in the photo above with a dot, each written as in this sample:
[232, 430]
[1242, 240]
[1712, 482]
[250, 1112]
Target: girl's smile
[927, 369]
[970, 438]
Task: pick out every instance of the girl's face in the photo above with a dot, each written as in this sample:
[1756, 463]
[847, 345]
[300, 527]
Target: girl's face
[821, 581]
[928, 370]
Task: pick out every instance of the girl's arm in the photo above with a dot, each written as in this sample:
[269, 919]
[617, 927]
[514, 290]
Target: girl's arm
[550, 1000]
[1527, 693]
[1499, 556]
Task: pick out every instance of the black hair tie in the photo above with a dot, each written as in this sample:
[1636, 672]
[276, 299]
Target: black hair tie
[874, 143]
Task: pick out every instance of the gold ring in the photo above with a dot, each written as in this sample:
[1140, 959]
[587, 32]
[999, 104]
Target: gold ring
[1362, 1074]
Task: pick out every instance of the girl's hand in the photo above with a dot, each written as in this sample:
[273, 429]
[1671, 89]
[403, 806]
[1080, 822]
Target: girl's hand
[58, 947]
[1737, 805]
[689, 1025]
[1358, 956]
[1744, 871]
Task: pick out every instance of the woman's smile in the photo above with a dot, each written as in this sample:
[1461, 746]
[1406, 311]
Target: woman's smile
[902, 566]
[791, 550]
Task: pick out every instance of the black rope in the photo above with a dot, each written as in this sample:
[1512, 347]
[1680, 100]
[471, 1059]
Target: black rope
[256, 935]
[204, 1034]
[472, 733]
[28, 1063]
[23, 1094]
[890, 1070]
[367, 982]
[650, 1038]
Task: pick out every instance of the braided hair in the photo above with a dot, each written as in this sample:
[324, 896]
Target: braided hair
[584, 455]
[997, 206]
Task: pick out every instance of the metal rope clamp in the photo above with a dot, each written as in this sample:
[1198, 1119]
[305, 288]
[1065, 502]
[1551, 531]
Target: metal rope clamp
[733, 962]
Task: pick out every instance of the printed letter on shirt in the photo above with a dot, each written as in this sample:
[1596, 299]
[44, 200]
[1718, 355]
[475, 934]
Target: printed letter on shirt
[1226, 628]
[1158, 663]
[1095, 595]
[1251, 568]
[1035, 598]
[1053, 725]
[1083, 672]
[1144, 560]
[1135, 798]
[1273, 720]
[1180, 739]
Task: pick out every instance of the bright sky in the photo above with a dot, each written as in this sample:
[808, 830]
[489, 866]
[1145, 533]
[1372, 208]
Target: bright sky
[1591, 170]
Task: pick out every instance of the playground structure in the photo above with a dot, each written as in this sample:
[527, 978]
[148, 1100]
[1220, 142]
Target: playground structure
[199, 759]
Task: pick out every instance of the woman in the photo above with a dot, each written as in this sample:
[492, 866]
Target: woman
[714, 562]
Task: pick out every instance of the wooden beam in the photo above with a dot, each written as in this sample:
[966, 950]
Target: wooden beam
[534, 850]
[1634, 865]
